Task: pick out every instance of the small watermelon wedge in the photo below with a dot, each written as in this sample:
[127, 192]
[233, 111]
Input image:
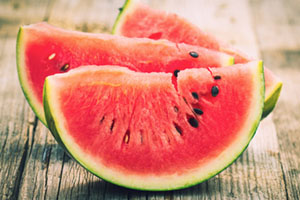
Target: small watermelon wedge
[135, 19]
[136, 130]
[43, 50]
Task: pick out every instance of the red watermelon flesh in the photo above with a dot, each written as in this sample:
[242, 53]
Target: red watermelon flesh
[136, 130]
[139, 20]
[43, 50]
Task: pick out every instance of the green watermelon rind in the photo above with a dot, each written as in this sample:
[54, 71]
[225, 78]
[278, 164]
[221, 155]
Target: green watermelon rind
[30, 97]
[271, 99]
[50, 121]
[125, 8]
[57, 129]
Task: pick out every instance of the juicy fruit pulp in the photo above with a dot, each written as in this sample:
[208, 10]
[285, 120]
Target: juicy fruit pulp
[43, 50]
[152, 136]
[135, 19]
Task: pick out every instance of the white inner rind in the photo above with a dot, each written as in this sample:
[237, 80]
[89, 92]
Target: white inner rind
[162, 182]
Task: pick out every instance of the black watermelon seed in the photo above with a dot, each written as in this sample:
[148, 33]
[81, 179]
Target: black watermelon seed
[176, 71]
[193, 122]
[184, 99]
[198, 111]
[120, 9]
[178, 128]
[195, 95]
[65, 67]
[217, 77]
[112, 125]
[214, 91]
[175, 109]
[102, 119]
[194, 54]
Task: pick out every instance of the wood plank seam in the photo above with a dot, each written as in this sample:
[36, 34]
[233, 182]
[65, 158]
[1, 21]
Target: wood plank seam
[60, 175]
[271, 116]
[46, 160]
[20, 171]
[284, 177]
[25, 155]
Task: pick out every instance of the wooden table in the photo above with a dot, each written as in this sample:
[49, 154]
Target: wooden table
[33, 166]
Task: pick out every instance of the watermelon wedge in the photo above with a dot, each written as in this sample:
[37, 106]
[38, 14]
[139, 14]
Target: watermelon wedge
[135, 19]
[136, 130]
[43, 50]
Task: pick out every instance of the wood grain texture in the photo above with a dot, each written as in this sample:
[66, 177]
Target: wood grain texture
[14, 123]
[280, 49]
[34, 166]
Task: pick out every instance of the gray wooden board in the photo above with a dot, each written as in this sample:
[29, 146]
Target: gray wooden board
[280, 49]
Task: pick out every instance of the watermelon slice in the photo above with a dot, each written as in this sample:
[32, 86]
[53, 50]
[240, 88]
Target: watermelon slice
[136, 130]
[135, 19]
[43, 50]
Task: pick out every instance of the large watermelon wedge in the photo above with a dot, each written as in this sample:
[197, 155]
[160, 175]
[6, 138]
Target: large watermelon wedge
[43, 50]
[136, 130]
[139, 20]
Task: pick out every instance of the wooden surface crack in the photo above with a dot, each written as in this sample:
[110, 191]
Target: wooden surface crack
[34, 125]
[60, 175]
[46, 160]
[20, 172]
[4, 142]
[284, 178]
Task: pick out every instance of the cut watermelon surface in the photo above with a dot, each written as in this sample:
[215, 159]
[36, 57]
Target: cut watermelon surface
[43, 50]
[139, 20]
[137, 130]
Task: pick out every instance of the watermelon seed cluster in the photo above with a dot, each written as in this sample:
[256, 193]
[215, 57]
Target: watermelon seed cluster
[214, 92]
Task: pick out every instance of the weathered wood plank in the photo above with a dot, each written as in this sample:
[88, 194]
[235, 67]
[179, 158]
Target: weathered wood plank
[18, 12]
[14, 124]
[278, 24]
[286, 116]
[272, 22]
[42, 171]
[88, 16]
[27, 180]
